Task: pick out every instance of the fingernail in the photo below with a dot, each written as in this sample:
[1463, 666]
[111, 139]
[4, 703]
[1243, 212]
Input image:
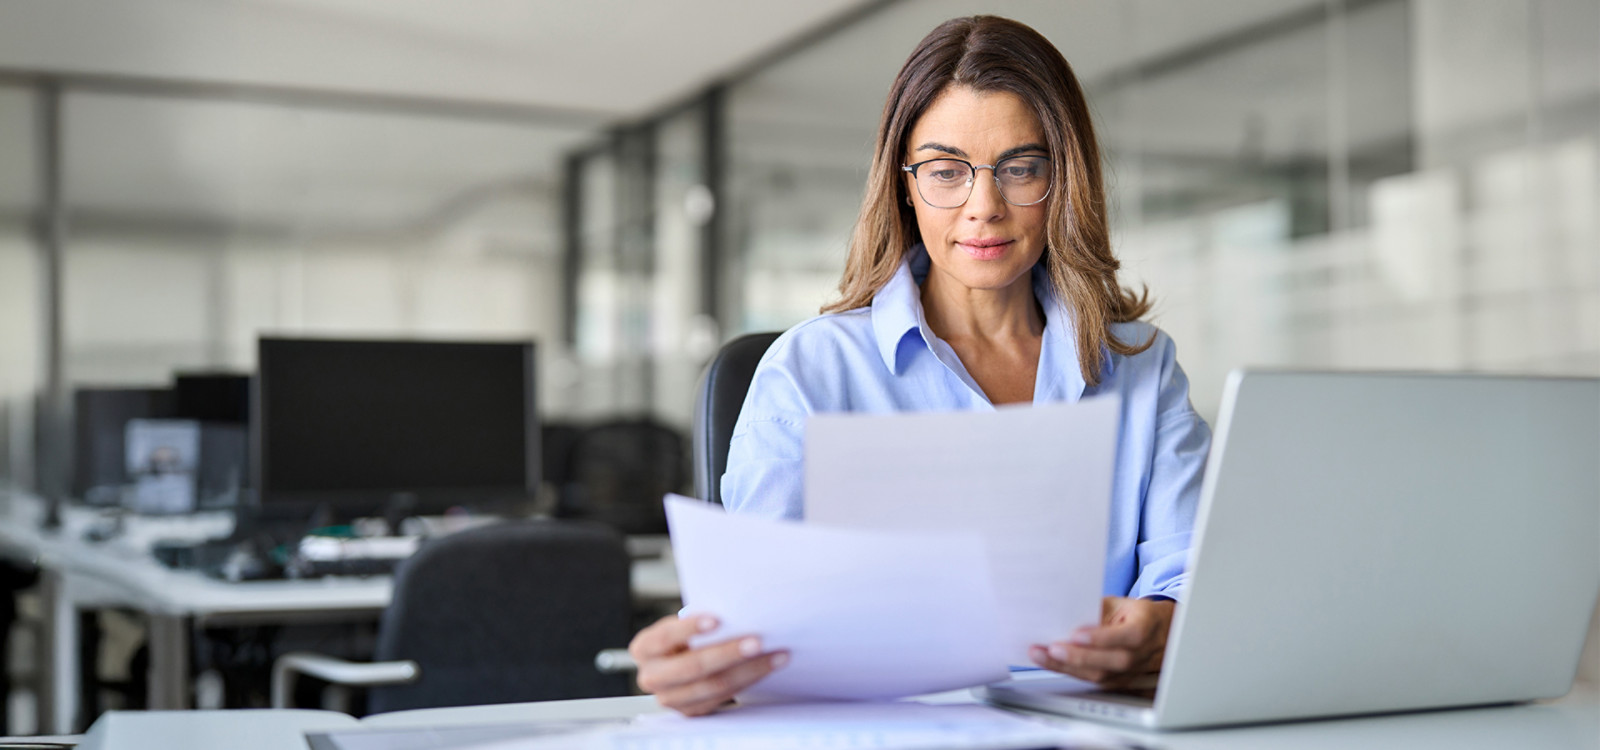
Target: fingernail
[1058, 652]
[1038, 654]
[1080, 637]
[707, 624]
[780, 659]
[750, 646]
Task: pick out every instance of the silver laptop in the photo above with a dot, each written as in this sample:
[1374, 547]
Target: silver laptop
[1373, 543]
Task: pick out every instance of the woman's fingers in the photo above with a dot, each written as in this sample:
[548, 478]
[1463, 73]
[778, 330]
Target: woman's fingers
[696, 681]
[704, 695]
[695, 665]
[1128, 635]
[1127, 650]
[1093, 665]
[668, 635]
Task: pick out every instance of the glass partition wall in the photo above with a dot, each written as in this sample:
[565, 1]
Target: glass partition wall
[1348, 184]
[195, 221]
[196, 225]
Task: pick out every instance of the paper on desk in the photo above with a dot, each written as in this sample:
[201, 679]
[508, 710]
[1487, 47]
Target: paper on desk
[825, 726]
[1035, 481]
[863, 614]
[459, 737]
[848, 726]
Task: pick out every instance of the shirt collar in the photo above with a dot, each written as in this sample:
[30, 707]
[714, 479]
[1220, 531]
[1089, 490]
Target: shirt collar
[897, 307]
[897, 311]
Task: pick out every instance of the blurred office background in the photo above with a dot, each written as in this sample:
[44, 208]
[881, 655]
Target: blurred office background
[1323, 183]
[1315, 183]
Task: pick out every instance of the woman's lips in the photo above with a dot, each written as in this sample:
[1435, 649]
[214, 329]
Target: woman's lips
[985, 249]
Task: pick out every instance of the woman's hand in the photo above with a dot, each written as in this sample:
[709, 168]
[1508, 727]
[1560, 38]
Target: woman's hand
[1124, 652]
[695, 681]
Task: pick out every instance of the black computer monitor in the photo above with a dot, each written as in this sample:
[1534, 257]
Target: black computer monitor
[220, 402]
[100, 419]
[359, 427]
[222, 397]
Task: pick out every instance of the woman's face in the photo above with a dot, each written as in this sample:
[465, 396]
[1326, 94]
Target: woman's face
[985, 243]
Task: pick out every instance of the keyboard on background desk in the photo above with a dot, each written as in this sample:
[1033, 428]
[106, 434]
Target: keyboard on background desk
[312, 557]
[319, 556]
[226, 559]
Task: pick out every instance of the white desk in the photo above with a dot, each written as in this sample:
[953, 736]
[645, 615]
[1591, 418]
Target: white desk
[1571, 723]
[78, 575]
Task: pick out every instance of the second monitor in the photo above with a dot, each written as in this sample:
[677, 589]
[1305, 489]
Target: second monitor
[367, 427]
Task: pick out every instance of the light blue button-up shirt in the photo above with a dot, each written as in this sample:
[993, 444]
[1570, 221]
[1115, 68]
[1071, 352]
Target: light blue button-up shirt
[884, 358]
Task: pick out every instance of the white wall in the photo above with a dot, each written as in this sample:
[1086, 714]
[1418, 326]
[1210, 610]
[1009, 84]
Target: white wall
[21, 336]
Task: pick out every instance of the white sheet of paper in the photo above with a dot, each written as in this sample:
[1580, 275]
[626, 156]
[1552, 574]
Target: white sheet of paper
[864, 615]
[827, 726]
[1035, 481]
[849, 726]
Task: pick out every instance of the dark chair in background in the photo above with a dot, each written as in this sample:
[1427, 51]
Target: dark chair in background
[617, 472]
[717, 404]
[556, 440]
[512, 612]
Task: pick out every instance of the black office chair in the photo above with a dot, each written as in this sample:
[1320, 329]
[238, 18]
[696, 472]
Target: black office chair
[717, 404]
[617, 472]
[556, 441]
[506, 613]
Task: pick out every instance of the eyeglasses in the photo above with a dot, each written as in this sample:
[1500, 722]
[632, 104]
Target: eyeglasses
[947, 183]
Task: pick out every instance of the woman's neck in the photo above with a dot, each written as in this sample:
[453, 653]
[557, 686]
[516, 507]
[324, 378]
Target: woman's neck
[959, 313]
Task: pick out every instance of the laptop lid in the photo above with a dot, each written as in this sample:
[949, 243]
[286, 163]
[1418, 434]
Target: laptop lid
[1373, 542]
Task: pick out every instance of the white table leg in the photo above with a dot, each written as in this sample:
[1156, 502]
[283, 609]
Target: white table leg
[58, 696]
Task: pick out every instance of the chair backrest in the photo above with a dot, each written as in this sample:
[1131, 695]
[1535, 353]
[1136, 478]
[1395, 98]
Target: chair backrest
[505, 613]
[717, 404]
[556, 441]
[617, 472]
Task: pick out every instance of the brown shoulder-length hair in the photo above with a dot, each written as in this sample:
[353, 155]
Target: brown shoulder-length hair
[989, 53]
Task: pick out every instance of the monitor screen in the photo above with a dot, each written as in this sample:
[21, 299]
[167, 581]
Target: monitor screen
[101, 416]
[359, 425]
[212, 396]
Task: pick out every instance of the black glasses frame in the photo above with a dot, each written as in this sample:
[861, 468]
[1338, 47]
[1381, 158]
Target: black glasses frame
[994, 172]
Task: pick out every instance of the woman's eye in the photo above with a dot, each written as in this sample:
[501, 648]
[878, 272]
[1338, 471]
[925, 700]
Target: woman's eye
[1021, 171]
[945, 175]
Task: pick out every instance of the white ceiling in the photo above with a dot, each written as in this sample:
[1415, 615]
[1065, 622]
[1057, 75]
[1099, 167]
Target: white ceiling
[609, 57]
[137, 161]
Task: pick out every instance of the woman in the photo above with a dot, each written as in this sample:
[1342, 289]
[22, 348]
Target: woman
[964, 290]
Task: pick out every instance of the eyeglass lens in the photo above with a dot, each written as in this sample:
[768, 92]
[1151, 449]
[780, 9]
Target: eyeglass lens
[947, 183]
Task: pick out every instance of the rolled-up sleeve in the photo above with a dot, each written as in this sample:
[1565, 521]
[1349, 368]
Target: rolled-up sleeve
[1182, 442]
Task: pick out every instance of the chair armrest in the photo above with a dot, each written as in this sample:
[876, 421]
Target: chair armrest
[614, 661]
[337, 671]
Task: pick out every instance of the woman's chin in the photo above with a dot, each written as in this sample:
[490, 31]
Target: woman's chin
[992, 279]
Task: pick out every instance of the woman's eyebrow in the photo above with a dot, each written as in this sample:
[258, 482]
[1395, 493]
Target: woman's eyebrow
[1023, 149]
[931, 146]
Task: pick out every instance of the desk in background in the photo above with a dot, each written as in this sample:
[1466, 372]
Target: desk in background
[76, 575]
